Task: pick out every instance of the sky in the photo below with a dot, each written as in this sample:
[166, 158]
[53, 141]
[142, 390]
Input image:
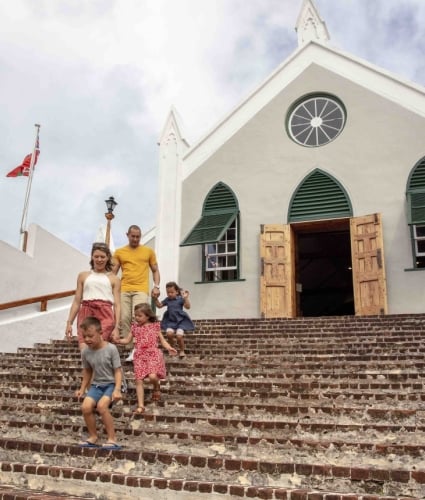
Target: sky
[100, 77]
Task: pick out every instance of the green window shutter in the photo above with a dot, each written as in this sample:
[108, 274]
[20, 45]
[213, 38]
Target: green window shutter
[416, 194]
[210, 228]
[416, 207]
[220, 198]
[417, 176]
[319, 196]
[219, 211]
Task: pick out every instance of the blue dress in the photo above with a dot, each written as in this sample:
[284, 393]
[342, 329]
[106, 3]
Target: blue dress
[174, 317]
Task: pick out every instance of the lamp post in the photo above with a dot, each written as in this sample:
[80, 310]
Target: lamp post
[110, 205]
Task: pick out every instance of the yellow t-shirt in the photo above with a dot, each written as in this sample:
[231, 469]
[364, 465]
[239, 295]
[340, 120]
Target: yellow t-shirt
[135, 265]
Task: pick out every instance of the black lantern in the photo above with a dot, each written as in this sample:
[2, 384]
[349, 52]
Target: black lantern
[110, 204]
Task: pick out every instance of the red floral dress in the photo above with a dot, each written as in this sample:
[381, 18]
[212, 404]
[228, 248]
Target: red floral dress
[148, 358]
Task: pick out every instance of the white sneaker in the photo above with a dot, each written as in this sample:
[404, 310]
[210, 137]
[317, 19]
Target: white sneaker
[130, 357]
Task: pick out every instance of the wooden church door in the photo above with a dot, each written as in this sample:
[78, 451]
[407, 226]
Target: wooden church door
[277, 296]
[277, 281]
[367, 256]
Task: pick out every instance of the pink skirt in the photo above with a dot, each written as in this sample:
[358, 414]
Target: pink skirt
[100, 309]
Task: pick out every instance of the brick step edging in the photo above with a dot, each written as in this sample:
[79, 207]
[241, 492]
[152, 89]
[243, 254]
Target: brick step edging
[214, 463]
[221, 403]
[412, 450]
[263, 425]
[201, 487]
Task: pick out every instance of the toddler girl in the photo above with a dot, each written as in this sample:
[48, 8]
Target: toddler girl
[148, 359]
[175, 320]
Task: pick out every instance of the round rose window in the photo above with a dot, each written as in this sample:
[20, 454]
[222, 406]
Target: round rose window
[316, 120]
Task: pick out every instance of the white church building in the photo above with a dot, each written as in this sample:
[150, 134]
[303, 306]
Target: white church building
[308, 199]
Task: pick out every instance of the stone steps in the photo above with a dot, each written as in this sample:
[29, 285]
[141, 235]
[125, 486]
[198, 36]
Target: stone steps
[18, 493]
[272, 358]
[147, 467]
[267, 388]
[229, 398]
[121, 487]
[390, 397]
[291, 437]
[244, 407]
[304, 341]
[304, 409]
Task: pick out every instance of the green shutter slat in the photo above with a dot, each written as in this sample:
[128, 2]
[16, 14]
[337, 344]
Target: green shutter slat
[209, 229]
[417, 177]
[220, 198]
[418, 215]
[416, 194]
[219, 211]
[319, 196]
[416, 207]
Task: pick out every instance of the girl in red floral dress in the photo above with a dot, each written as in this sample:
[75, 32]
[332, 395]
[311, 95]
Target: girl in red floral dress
[148, 359]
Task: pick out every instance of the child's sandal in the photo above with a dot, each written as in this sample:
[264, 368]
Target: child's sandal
[156, 396]
[139, 410]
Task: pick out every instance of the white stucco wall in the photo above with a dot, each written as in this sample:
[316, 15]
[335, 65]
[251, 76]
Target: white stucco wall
[25, 326]
[49, 266]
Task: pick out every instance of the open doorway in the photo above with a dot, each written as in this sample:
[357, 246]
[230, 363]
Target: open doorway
[323, 270]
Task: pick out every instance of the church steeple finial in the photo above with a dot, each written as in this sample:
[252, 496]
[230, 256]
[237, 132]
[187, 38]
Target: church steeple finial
[309, 25]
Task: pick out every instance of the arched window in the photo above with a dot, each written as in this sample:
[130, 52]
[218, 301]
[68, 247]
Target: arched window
[415, 193]
[319, 196]
[218, 232]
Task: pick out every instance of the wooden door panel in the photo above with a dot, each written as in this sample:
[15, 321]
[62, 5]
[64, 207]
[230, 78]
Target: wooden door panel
[367, 253]
[276, 283]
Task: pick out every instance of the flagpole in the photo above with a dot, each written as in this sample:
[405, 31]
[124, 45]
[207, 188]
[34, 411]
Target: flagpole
[23, 231]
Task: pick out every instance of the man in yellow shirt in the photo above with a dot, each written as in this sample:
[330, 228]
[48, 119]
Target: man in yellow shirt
[135, 261]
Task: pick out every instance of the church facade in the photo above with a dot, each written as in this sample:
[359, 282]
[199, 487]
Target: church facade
[308, 199]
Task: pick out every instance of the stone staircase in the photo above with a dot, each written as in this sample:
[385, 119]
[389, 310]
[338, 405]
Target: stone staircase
[301, 409]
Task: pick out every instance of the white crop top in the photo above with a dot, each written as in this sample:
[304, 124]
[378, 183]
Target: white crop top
[97, 286]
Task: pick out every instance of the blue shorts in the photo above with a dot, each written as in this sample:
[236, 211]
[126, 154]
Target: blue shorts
[97, 391]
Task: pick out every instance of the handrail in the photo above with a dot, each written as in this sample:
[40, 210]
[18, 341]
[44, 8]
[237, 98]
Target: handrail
[42, 299]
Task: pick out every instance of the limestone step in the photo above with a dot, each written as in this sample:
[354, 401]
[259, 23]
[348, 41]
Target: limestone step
[127, 487]
[383, 443]
[19, 493]
[395, 399]
[133, 468]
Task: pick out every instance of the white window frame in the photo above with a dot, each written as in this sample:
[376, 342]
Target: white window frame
[418, 239]
[217, 255]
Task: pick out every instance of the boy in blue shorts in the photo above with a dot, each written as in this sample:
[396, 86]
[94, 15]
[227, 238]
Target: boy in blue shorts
[102, 376]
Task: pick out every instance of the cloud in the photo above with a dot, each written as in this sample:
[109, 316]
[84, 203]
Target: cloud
[100, 76]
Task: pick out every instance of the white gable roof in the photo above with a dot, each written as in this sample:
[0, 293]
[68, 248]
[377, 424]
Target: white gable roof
[409, 95]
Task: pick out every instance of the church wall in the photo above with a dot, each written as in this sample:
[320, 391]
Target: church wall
[372, 159]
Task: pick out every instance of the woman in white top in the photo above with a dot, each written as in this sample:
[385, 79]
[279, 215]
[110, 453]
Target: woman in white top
[98, 294]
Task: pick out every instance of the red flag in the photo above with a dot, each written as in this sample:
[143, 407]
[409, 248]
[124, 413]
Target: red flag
[24, 168]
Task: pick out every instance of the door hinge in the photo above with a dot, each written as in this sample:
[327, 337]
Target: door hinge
[262, 266]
